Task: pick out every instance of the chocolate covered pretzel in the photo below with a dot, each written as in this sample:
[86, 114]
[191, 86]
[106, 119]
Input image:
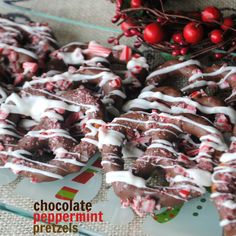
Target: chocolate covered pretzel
[24, 49]
[219, 78]
[171, 100]
[49, 150]
[78, 53]
[224, 188]
[130, 65]
[156, 135]
[107, 85]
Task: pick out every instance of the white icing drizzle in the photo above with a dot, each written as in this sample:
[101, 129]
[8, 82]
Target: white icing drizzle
[229, 204]
[105, 77]
[18, 167]
[35, 106]
[52, 115]
[163, 146]
[109, 137]
[26, 123]
[172, 68]
[61, 154]
[20, 154]
[4, 130]
[59, 77]
[74, 43]
[145, 122]
[118, 93]
[135, 64]
[227, 157]
[131, 151]
[182, 179]
[231, 95]
[199, 83]
[227, 169]
[90, 125]
[220, 170]
[214, 142]
[227, 222]
[142, 103]
[200, 177]
[159, 129]
[229, 69]
[33, 30]
[20, 50]
[89, 107]
[208, 128]
[90, 140]
[70, 161]
[125, 177]
[50, 133]
[3, 95]
[77, 58]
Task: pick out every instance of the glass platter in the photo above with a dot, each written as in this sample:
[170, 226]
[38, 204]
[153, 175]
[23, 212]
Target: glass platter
[18, 196]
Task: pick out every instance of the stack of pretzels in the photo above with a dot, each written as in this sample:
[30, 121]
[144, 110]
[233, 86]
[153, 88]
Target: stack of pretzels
[179, 140]
[55, 99]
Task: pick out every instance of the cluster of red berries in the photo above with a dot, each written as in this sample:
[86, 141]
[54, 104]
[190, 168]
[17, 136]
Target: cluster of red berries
[207, 28]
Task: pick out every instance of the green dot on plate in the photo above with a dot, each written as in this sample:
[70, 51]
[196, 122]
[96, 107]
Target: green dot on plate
[195, 214]
[203, 200]
[199, 207]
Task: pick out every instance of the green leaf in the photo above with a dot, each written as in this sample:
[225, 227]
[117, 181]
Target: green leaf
[168, 56]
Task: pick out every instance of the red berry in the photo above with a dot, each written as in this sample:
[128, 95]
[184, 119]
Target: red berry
[126, 26]
[153, 33]
[183, 51]
[161, 20]
[178, 37]
[227, 23]
[218, 56]
[211, 14]
[174, 46]
[216, 36]
[176, 53]
[136, 3]
[193, 32]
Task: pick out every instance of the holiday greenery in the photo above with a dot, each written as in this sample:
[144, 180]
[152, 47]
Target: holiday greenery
[188, 34]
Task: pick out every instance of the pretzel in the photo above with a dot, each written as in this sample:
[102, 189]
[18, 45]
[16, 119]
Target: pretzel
[186, 176]
[121, 59]
[105, 83]
[48, 151]
[171, 100]
[224, 188]
[221, 79]
[24, 49]
[78, 53]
